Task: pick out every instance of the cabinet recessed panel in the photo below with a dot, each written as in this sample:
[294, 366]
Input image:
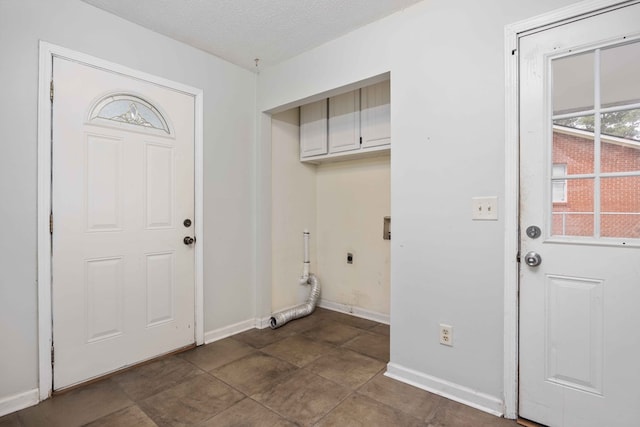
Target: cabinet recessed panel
[103, 292]
[103, 183]
[574, 332]
[313, 129]
[376, 115]
[344, 122]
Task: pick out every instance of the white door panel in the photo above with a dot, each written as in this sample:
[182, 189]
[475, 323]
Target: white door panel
[123, 281]
[579, 345]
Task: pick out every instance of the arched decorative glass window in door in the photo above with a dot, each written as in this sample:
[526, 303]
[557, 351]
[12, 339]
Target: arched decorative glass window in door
[130, 109]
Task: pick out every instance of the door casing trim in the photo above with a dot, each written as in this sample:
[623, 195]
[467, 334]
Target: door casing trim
[512, 34]
[44, 275]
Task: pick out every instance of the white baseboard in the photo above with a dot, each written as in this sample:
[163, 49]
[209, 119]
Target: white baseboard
[227, 331]
[18, 401]
[354, 311]
[263, 323]
[459, 393]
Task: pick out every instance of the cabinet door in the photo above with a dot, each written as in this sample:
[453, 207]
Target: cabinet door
[376, 115]
[344, 122]
[313, 129]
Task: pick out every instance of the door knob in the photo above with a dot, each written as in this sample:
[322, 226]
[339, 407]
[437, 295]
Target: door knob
[188, 240]
[532, 259]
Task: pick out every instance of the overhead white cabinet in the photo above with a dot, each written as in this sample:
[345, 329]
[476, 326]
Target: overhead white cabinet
[344, 122]
[375, 113]
[353, 124]
[313, 129]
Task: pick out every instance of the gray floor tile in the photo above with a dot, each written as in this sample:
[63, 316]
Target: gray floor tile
[346, 367]
[132, 416]
[410, 400]
[303, 398]
[77, 407]
[324, 369]
[358, 410]
[149, 379]
[369, 344]
[298, 350]
[247, 413]
[332, 332]
[381, 329]
[259, 338]
[347, 319]
[216, 354]
[190, 402]
[254, 373]
[10, 420]
[454, 414]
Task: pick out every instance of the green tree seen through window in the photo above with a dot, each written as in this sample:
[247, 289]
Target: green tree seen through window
[622, 124]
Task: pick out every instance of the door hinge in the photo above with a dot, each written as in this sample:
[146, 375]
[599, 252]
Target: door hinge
[52, 355]
[360, 140]
[51, 90]
[518, 257]
[50, 222]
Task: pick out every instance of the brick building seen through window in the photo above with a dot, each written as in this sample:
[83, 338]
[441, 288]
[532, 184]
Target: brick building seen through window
[573, 199]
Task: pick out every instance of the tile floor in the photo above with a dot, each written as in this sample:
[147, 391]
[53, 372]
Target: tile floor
[323, 370]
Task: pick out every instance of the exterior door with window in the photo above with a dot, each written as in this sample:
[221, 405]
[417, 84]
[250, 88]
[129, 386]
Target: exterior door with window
[123, 186]
[580, 184]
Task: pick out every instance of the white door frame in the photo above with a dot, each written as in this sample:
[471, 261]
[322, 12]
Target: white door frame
[513, 33]
[47, 52]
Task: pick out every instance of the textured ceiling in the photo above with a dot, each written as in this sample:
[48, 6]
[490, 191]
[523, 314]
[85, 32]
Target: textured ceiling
[242, 30]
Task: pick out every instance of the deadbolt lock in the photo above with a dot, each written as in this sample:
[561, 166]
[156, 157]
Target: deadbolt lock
[533, 231]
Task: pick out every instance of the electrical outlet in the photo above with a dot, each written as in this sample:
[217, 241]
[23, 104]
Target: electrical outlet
[446, 334]
[484, 208]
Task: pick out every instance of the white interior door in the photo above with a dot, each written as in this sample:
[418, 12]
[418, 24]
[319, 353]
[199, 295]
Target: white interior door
[123, 184]
[580, 184]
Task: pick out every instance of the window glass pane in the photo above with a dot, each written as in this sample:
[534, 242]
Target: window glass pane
[620, 75]
[620, 207]
[559, 186]
[573, 144]
[129, 109]
[575, 216]
[573, 83]
[622, 124]
[619, 154]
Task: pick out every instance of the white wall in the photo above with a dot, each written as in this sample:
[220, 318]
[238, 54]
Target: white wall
[229, 135]
[342, 205]
[447, 91]
[294, 210]
[353, 197]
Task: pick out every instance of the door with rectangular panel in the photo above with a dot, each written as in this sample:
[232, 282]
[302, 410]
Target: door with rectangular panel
[580, 221]
[123, 186]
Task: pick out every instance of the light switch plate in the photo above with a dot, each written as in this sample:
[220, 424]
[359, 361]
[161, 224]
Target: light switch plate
[484, 208]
